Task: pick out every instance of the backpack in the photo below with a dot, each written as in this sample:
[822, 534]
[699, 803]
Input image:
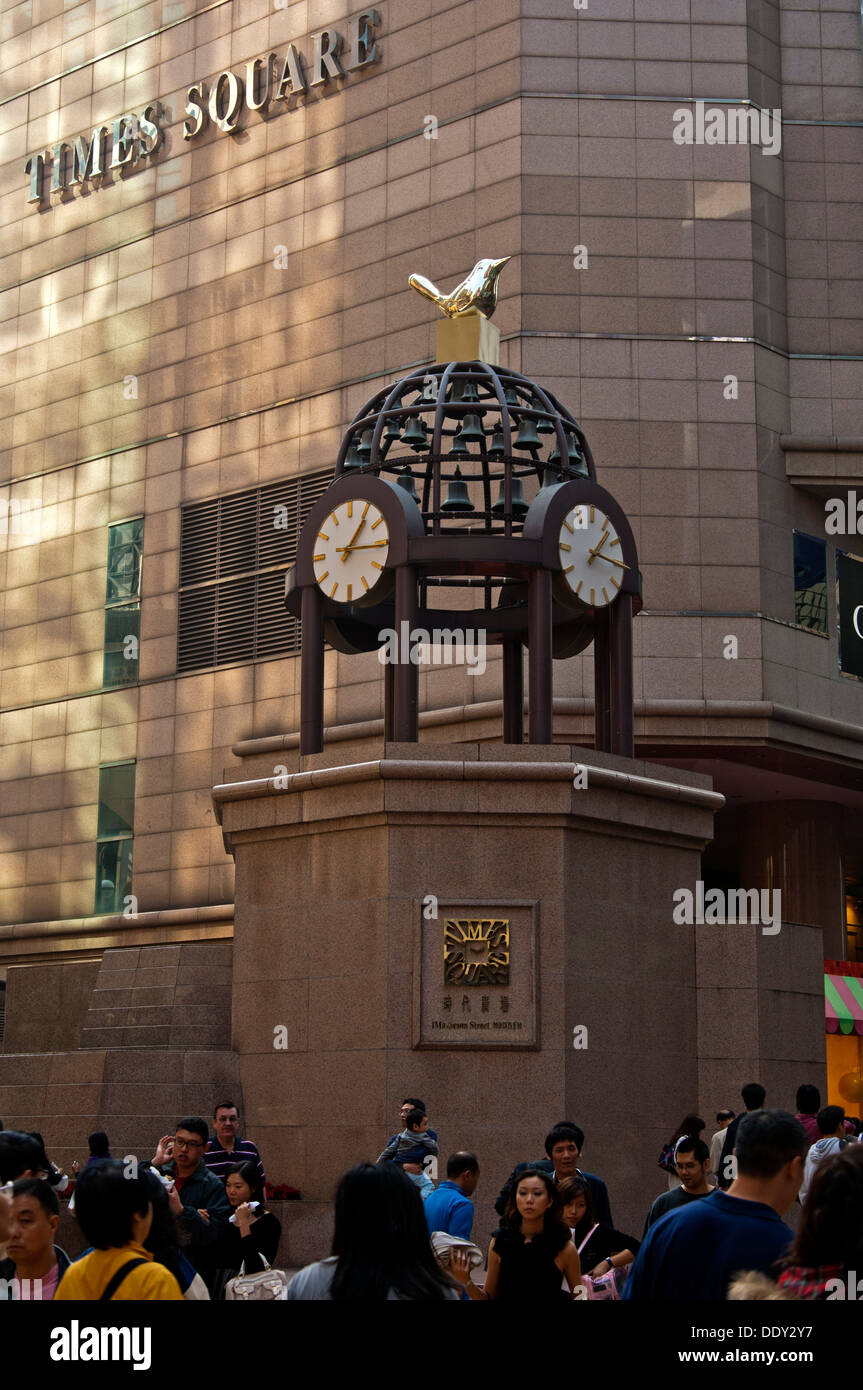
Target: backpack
[666, 1158]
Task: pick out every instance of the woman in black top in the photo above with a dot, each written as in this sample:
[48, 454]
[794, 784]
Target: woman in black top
[604, 1248]
[254, 1234]
[528, 1254]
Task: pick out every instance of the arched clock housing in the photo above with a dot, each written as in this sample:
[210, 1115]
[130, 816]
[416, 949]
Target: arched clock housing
[587, 543]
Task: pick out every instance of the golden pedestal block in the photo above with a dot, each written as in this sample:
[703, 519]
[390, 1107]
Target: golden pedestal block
[469, 338]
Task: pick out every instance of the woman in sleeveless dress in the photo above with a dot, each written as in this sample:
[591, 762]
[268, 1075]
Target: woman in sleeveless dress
[530, 1251]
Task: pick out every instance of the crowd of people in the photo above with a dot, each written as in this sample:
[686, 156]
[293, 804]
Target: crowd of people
[192, 1223]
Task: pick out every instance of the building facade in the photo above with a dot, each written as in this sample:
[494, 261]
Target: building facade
[208, 222]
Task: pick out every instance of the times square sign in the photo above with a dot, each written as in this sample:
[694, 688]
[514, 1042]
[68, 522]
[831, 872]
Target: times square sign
[263, 84]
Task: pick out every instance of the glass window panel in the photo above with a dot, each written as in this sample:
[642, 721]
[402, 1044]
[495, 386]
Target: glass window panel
[116, 800]
[124, 560]
[113, 875]
[122, 635]
[810, 583]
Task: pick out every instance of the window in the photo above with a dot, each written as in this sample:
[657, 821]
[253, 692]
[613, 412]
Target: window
[810, 583]
[234, 554]
[114, 833]
[122, 617]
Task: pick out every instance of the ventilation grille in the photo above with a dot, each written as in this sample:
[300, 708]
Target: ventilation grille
[233, 558]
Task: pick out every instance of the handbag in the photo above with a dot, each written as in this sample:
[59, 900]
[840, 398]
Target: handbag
[602, 1286]
[443, 1245]
[268, 1284]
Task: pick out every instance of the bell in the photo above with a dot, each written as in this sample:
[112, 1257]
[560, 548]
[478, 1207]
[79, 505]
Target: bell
[364, 449]
[458, 448]
[406, 481]
[545, 426]
[464, 392]
[415, 434]
[510, 395]
[527, 437]
[457, 499]
[471, 430]
[393, 431]
[496, 450]
[519, 506]
[577, 461]
[352, 457]
[551, 472]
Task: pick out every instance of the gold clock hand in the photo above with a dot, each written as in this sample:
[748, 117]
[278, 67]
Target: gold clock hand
[369, 545]
[350, 545]
[609, 561]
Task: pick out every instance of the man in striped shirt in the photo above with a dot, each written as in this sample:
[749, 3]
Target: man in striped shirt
[225, 1147]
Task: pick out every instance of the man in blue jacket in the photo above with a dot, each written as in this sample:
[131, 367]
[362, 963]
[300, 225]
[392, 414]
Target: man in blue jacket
[449, 1208]
[694, 1253]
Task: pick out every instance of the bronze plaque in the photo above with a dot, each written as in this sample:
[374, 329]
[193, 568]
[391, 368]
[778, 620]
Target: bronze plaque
[475, 982]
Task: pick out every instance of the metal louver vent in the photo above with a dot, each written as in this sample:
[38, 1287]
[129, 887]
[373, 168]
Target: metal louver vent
[234, 554]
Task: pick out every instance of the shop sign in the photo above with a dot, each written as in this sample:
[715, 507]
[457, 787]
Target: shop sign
[849, 579]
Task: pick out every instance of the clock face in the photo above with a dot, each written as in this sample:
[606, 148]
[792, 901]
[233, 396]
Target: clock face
[590, 556]
[351, 551]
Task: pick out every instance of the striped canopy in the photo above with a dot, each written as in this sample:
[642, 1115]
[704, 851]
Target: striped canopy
[843, 999]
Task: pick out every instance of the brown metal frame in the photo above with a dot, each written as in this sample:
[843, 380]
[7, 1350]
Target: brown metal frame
[551, 609]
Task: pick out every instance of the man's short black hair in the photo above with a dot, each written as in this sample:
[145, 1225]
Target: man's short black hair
[829, 1119]
[689, 1144]
[766, 1141]
[724, 1115]
[808, 1099]
[106, 1201]
[225, 1105]
[753, 1095]
[417, 1104]
[414, 1117]
[564, 1130]
[20, 1153]
[193, 1124]
[41, 1190]
[460, 1163]
[98, 1143]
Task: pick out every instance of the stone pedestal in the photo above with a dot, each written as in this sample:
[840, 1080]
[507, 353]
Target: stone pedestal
[340, 972]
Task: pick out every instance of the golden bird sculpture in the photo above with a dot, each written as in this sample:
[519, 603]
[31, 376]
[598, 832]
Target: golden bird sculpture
[477, 292]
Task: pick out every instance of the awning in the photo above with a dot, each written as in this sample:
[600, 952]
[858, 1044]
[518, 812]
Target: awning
[843, 1000]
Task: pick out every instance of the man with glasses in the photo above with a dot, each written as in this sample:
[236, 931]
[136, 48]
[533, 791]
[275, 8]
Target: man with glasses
[692, 1161]
[197, 1198]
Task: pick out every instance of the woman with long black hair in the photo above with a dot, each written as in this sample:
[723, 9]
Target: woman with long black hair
[251, 1239]
[530, 1253]
[381, 1245]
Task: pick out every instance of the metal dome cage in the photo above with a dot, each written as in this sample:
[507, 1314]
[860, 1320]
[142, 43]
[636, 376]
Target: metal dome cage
[489, 436]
